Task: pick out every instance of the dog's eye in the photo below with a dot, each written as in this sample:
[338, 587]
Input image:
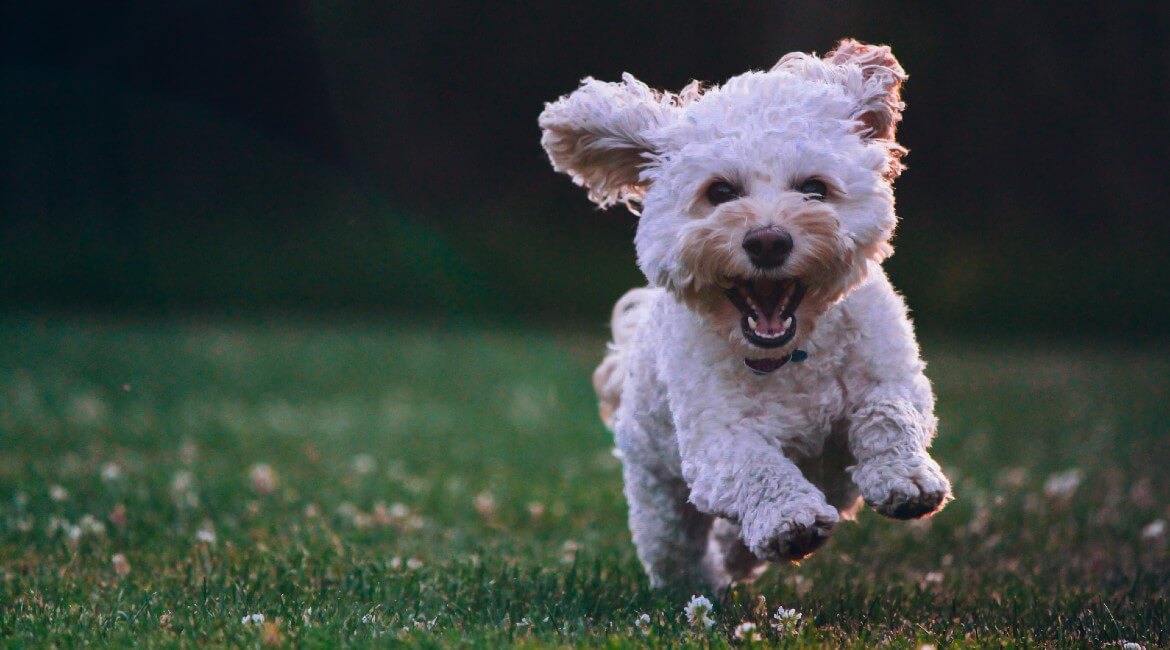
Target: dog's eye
[814, 189]
[722, 192]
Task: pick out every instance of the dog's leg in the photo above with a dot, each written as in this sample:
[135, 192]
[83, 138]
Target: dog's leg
[739, 475]
[890, 409]
[669, 533]
[896, 475]
[728, 559]
[830, 472]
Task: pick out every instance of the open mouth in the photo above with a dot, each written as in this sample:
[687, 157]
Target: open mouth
[768, 307]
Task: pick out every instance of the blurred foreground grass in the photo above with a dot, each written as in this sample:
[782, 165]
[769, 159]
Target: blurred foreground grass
[364, 484]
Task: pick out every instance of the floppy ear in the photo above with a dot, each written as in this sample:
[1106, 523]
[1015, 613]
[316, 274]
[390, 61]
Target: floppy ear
[873, 77]
[598, 135]
[881, 90]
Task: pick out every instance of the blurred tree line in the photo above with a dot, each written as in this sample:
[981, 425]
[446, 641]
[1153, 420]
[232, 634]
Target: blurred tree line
[384, 156]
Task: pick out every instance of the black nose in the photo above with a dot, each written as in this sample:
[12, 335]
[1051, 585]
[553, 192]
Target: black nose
[768, 247]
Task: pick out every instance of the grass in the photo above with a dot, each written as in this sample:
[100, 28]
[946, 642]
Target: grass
[365, 484]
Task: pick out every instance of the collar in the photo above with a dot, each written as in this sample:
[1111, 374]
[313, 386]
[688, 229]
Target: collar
[767, 366]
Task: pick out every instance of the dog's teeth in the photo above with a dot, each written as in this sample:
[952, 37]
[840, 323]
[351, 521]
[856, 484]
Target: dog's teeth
[751, 322]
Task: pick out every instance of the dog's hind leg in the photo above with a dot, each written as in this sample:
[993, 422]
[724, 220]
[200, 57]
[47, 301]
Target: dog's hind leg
[669, 533]
[728, 559]
[830, 473]
[610, 376]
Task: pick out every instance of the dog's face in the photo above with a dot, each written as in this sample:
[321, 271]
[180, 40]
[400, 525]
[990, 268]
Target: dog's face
[763, 201]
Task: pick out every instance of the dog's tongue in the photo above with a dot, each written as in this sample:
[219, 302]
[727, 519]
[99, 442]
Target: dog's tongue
[771, 324]
[770, 298]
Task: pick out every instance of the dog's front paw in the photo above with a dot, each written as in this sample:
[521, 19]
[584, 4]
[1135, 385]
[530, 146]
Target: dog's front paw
[793, 533]
[903, 487]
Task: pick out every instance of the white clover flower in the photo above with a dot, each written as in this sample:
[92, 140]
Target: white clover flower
[252, 619]
[183, 489]
[58, 493]
[786, 620]
[1156, 529]
[90, 525]
[747, 632]
[569, 551]
[697, 611]
[206, 534]
[111, 472]
[263, 478]
[485, 504]
[399, 511]
[642, 623]
[182, 481]
[121, 564]
[364, 464]
[1130, 645]
[1063, 484]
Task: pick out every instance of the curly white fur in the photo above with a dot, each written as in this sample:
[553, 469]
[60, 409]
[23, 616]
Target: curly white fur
[725, 469]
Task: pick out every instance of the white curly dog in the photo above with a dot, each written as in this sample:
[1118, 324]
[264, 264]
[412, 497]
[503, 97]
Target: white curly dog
[768, 378]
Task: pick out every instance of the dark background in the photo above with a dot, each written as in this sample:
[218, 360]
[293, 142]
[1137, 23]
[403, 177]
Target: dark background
[383, 157]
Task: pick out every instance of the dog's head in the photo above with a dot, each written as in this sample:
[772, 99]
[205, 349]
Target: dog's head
[763, 201]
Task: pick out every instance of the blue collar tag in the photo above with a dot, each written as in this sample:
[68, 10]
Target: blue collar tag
[797, 356]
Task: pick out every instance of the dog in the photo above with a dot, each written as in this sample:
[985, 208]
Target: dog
[768, 378]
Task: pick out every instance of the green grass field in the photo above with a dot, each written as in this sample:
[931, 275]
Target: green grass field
[397, 483]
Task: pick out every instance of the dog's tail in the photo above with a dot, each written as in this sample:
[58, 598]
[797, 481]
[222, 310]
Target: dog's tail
[611, 374]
